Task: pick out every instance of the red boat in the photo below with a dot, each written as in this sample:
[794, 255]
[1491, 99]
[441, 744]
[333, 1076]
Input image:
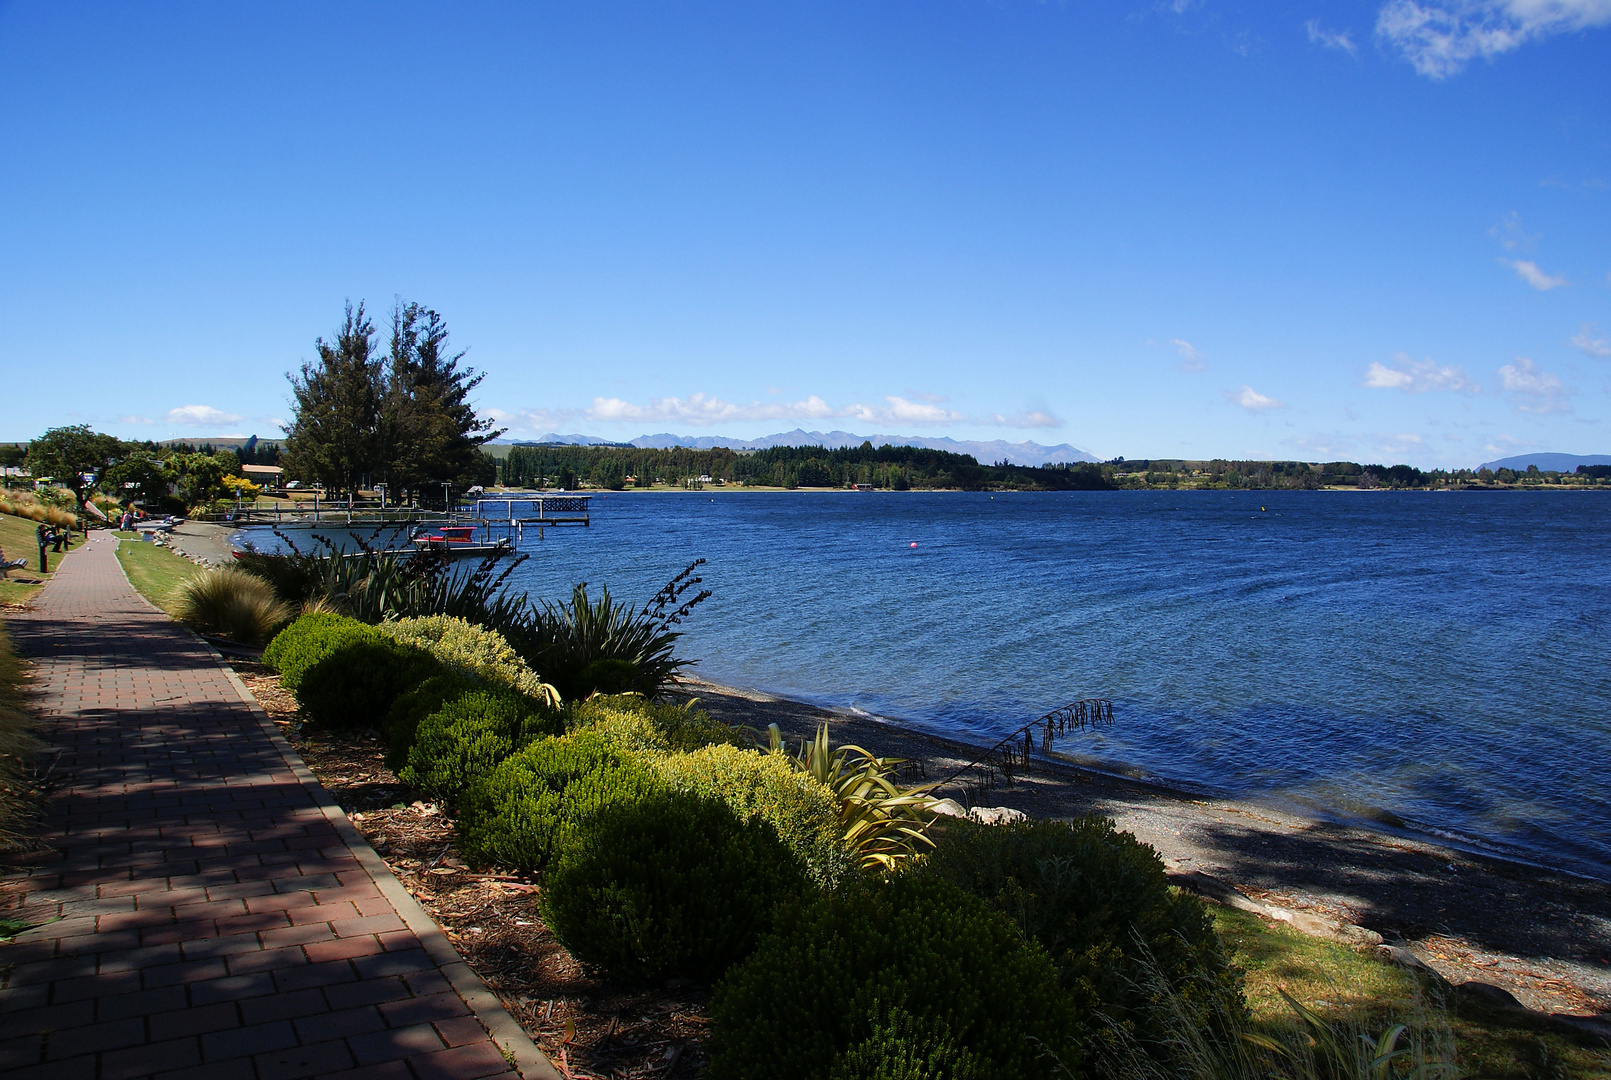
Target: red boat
[450, 534]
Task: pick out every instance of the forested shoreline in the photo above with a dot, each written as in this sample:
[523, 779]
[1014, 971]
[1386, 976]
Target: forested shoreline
[902, 468]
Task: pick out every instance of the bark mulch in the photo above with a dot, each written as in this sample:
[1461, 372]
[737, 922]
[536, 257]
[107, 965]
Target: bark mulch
[586, 1023]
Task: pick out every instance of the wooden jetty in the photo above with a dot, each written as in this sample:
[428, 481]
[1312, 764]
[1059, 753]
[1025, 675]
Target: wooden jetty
[519, 513]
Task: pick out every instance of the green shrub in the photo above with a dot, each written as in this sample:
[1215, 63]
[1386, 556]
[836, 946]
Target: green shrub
[668, 885]
[1097, 900]
[469, 735]
[472, 651]
[231, 603]
[307, 641]
[519, 814]
[902, 966]
[354, 684]
[804, 814]
[651, 726]
[414, 705]
[905, 1047]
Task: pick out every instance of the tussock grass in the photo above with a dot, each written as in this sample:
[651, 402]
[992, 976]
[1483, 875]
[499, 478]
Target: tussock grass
[25, 504]
[18, 748]
[233, 604]
[1356, 992]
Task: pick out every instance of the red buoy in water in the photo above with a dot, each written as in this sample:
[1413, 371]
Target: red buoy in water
[914, 543]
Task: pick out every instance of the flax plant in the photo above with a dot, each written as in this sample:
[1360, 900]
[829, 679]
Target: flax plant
[883, 823]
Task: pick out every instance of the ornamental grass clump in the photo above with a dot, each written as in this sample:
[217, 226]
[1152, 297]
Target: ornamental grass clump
[231, 603]
[26, 504]
[893, 971]
[469, 736]
[671, 885]
[1098, 901]
[472, 651]
[1418, 1045]
[518, 815]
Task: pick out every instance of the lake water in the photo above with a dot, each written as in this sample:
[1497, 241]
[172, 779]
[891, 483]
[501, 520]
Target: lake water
[1440, 657]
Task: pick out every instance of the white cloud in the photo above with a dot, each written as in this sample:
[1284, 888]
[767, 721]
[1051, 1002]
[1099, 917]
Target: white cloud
[1597, 347]
[705, 410]
[1529, 272]
[1510, 234]
[1440, 37]
[1032, 419]
[1417, 378]
[200, 416]
[1401, 443]
[1504, 443]
[1532, 389]
[135, 420]
[1250, 399]
[1320, 444]
[1331, 39]
[1190, 358]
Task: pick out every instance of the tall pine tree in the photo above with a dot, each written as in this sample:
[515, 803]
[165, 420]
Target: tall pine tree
[404, 419]
[334, 436]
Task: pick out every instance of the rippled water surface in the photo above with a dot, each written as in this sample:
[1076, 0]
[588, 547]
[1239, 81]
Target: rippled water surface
[1440, 657]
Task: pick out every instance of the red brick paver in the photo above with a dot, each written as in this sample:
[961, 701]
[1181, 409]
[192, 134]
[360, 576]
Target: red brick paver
[205, 910]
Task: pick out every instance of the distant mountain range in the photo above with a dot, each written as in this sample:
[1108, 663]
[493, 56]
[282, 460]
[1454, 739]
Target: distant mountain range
[1547, 462]
[986, 453]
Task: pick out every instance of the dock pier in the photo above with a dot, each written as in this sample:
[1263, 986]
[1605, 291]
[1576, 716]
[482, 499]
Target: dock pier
[520, 512]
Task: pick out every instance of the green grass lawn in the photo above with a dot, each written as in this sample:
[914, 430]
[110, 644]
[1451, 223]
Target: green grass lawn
[19, 541]
[155, 572]
[1353, 985]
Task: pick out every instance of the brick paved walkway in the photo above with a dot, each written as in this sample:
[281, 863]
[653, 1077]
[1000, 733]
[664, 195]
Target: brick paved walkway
[206, 910]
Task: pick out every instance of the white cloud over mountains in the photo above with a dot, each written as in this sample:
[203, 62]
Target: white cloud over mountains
[201, 416]
[1439, 37]
[704, 410]
[1414, 377]
[1529, 272]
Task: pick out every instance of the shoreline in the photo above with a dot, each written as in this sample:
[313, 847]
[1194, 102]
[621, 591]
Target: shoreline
[1542, 934]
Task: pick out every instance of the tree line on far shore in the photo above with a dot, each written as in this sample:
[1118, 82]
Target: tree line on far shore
[898, 468]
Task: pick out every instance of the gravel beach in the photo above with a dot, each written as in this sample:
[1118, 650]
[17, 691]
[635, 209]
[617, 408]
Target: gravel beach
[1542, 935]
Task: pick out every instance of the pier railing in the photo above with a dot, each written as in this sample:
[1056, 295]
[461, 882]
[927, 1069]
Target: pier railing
[517, 514]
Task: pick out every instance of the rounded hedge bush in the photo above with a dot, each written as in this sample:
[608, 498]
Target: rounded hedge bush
[469, 735]
[354, 684]
[475, 652]
[412, 706]
[308, 640]
[669, 885]
[803, 812]
[1098, 901]
[651, 726]
[518, 815]
[905, 967]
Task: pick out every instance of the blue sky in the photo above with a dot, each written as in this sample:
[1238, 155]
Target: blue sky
[1377, 231]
